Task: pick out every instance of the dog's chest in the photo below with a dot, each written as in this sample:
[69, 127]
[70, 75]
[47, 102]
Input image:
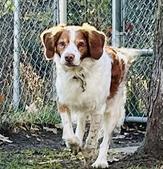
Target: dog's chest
[82, 91]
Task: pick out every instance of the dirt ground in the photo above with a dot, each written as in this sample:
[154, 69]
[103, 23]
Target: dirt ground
[41, 147]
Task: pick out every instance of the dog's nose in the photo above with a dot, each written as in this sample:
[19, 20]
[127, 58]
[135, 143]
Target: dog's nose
[69, 58]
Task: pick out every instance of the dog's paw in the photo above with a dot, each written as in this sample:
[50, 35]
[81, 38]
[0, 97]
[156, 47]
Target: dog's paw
[74, 144]
[100, 163]
[89, 154]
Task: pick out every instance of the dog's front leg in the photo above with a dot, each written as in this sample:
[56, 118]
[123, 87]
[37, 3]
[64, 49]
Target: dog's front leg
[71, 140]
[80, 129]
[90, 148]
[92, 139]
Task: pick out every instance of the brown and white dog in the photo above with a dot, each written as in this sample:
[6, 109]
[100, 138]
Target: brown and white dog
[90, 81]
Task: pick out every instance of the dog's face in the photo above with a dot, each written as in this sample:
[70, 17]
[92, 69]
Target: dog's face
[72, 46]
[73, 43]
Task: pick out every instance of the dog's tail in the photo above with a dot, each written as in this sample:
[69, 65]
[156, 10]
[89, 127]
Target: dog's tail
[132, 54]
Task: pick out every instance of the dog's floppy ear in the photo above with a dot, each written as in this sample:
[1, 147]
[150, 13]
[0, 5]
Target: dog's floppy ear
[49, 39]
[96, 41]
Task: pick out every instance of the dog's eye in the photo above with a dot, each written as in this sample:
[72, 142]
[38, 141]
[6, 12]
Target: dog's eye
[61, 44]
[81, 44]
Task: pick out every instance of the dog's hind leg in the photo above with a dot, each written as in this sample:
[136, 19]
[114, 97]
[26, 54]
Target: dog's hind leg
[109, 123]
[114, 116]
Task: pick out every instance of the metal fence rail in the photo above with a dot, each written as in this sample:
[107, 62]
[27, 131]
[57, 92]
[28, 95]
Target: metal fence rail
[27, 79]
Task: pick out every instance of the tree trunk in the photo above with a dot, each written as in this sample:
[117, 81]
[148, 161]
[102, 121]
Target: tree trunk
[153, 143]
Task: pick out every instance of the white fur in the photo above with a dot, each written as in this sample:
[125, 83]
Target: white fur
[114, 116]
[93, 100]
[71, 48]
[69, 90]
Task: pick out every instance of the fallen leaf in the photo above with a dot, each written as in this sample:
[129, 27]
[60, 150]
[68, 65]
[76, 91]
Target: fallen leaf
[59, 126]
[54, 130]
[5, 139]
[51, 161]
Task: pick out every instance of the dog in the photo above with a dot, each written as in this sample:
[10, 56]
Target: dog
[90, 81]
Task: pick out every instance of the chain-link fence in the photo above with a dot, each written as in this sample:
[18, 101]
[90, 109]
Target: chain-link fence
[27, 78]
[138, 26]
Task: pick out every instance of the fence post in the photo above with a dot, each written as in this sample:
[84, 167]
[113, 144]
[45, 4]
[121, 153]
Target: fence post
[55, 12]
[63, 11]
[55, 21]
[60, 16]
[16, 63]
[116, 23]
[123, 19]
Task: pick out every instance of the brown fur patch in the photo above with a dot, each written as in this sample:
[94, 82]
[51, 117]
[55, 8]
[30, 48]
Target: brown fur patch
[62, 42]
[1, 98]
[80, 41]
[118, 71]
[49, 39]
[82, 44]
[62, 108]
[95, 41]
[96, 44]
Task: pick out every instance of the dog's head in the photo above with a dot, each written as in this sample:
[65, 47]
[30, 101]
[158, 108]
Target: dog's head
[73, 43]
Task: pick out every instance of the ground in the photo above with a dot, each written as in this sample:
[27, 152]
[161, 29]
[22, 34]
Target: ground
[41, 147]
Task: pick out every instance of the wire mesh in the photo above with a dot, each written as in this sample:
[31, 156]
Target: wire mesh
[138, 21]
[138, 28]
[36, 74]
[35, 71]
[96, 13]
[6, 53]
